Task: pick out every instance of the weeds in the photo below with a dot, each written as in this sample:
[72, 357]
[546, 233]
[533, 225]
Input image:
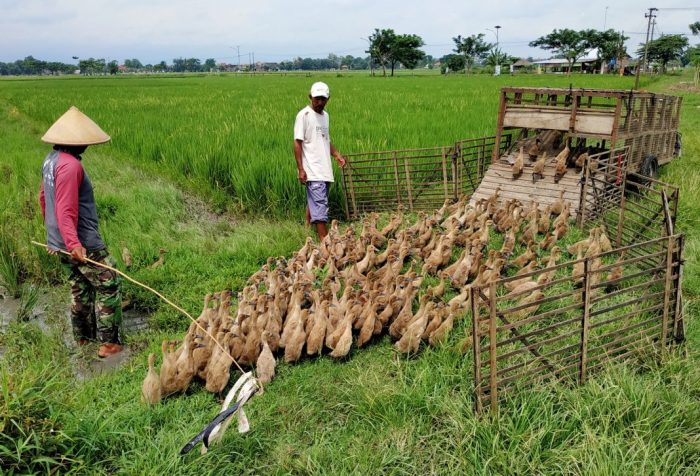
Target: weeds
[29, 295]
[10, 267]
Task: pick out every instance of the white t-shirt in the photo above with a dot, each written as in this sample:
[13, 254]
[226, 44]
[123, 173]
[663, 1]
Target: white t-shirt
[312, 129]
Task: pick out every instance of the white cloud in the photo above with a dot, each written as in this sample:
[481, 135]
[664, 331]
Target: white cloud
[152, 30]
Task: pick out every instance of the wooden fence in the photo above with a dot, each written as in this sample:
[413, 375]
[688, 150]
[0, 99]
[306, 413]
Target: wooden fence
[415, 179]
[601, 308]
[602, 184]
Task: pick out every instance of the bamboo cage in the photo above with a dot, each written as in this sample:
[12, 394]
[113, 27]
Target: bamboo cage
[596, 310]
[645, 122]
[415, 179]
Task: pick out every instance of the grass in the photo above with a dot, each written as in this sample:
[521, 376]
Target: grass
[376, 413]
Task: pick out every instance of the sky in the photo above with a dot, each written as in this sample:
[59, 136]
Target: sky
[278, 30]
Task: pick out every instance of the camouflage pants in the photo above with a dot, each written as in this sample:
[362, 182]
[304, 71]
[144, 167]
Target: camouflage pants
[96, 302]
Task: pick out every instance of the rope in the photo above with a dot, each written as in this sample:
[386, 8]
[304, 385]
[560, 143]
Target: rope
[102, 265]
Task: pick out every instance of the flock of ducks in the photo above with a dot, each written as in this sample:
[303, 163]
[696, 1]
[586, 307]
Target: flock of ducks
[354, 287]
[539, 146]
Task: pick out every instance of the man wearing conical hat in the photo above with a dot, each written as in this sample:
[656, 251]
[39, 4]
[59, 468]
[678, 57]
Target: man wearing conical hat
[70, 216]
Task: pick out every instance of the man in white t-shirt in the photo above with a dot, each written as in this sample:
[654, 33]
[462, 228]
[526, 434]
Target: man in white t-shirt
[313, 150]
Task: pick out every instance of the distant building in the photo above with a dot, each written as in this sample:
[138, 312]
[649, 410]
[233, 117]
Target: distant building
[522, 64]
[587, 63]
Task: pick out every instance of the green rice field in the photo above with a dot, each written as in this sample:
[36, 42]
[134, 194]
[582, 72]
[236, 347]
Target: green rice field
[202, 166]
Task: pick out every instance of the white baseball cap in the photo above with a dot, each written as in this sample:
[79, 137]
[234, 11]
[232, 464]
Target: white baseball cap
[320, 89]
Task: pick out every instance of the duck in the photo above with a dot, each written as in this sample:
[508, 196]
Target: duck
[533, 298]
[297, 338]
[219, 367]
[396, 329]
[184, 364]
[616, 273]
[508, 243]
[560, 164]
[126, 257]
[529, 234]
[558, 205]
[161, 259]
[368, 326]
[543, 221]
[534, 149]
[527, 256]
[393, 225]
[368, 261]
[151, 390]
[517, 167]
[440, 334]
[168, 370]
[435, 319]
[604, 241]
[411, 338]
[344, 341]
[529, 268]
[538, 167]
[265, 366]
[578, 267]
[554, 256]
[317, 333]
[581, 160]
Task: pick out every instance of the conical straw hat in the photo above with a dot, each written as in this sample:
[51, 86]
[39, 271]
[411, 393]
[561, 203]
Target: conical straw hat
[75, 128]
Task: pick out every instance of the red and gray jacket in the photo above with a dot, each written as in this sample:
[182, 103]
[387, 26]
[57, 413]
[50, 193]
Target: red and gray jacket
[68, 204]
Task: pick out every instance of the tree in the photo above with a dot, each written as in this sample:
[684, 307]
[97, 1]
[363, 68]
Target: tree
[91, 66]
[498, 57]
[209, 64]
[568, 43]
[693, 54]
[389, 49]
[695, 28]
[380, 47]
[451, 63]
[472, 48]
[405, 51]
[664, 49]
[610, 44]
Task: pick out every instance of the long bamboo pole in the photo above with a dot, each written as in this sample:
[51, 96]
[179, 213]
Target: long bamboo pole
[168, 301]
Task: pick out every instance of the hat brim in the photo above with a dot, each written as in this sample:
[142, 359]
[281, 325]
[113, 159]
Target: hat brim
[75, 128]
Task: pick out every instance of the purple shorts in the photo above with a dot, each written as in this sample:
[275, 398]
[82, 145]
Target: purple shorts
[317, 201]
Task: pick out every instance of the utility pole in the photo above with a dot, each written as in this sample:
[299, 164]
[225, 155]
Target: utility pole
[238, 50]
[620, 50]
[605, 20]
[649, 15]
[497, 27]
[653, 27]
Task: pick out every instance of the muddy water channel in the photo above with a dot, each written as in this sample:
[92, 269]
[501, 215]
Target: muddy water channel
[50, 314]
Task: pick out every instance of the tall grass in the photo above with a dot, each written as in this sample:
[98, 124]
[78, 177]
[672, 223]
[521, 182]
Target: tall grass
[232, 136]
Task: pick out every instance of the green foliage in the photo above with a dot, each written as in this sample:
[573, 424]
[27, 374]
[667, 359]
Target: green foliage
[664, 49]
[472, 48]
[610, 44]
[10, 266]
[27, 301]
[389, 49]
[498, 57]
[695, 28]
[570, 44]
[32, 388]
